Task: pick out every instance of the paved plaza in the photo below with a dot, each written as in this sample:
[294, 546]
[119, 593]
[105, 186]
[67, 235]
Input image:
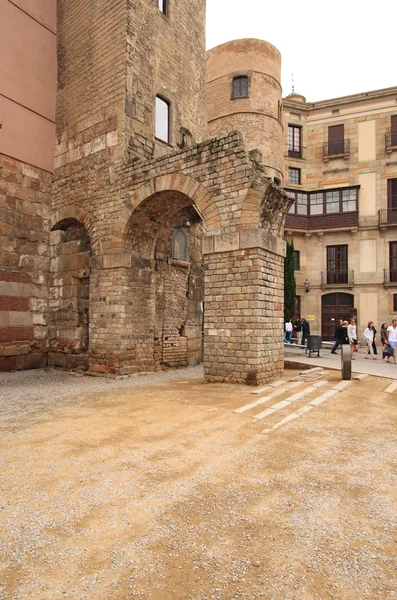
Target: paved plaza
[162, 487]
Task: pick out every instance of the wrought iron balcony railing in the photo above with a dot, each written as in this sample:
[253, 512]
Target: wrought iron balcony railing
[333, 149]
[387, 216]
[390, 277]
[337, 278]
[391, 141]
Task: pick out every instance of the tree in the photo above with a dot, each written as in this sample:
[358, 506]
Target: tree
[289, 282]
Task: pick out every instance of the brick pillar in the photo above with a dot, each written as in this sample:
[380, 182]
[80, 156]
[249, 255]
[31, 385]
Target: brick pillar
[244, 303]
[121, 315]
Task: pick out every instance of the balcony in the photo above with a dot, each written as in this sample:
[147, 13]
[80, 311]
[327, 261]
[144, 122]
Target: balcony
[339, 149]
[387, 216]
[390, 278]
[390, 141]
[295, 153]
[330, 221]
[336, 279]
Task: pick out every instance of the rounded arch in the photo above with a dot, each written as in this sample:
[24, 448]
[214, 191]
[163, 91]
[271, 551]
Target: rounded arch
[68, 214]
[178, 183]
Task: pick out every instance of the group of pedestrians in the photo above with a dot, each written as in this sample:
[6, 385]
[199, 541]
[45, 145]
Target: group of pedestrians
[346, 334]
[301, 328]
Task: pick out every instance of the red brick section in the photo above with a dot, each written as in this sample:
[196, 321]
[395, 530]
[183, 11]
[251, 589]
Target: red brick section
[14, 277]
[16, 334]
[8, 364]
[14, 303]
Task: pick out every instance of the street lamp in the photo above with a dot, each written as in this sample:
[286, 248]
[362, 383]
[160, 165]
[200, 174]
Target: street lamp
[306, 283]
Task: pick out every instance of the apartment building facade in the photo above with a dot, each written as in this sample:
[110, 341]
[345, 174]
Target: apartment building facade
[341, 173]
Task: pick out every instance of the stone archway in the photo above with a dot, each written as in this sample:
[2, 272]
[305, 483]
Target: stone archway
[166, 284]
[69, 288]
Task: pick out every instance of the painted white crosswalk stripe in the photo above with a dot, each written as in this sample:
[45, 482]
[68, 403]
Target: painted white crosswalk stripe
[265, 399]
[392, 387]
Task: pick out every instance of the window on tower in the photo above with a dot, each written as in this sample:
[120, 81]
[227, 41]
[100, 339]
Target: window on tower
[240, 87]
[162, 128]
[163, 6]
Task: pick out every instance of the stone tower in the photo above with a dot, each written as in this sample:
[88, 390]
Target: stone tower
[162, 248]
[244, 93]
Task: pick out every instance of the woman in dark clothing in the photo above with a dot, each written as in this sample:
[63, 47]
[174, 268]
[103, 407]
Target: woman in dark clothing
[383, 333]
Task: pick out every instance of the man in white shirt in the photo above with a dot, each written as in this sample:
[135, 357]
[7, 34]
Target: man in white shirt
[288, 331]
[392, 337]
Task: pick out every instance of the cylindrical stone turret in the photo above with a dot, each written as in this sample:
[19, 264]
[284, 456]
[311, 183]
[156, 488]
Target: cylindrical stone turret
[244, 94]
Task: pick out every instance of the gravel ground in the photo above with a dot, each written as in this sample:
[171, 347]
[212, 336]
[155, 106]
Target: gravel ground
[153, 488]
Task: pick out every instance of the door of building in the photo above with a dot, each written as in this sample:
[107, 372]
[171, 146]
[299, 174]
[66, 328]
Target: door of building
[334, 307]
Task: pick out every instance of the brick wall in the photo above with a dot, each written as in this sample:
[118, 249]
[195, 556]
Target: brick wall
[24, 263]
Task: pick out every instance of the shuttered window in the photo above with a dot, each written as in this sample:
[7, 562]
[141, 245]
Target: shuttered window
[336, 139]
[392, 194]
[394, 130]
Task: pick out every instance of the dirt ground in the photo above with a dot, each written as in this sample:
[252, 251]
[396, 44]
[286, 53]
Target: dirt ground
[160, 491]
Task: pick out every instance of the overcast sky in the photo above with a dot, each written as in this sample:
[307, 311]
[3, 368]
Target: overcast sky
[333, 49]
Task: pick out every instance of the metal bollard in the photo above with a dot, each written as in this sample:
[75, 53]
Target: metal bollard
[346, 362]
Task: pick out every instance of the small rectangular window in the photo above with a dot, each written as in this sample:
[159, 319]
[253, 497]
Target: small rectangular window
[394, 130]
[332, 202]
[394, 302]
[162, 129]
[301, 203]
[297, 256]
[294, 176]
[240, 87]
[336, 139]
[349, 200]
[294, 141]
[317, 203]
[162, 4]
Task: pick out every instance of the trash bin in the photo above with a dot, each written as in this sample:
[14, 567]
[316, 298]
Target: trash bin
[314, 343]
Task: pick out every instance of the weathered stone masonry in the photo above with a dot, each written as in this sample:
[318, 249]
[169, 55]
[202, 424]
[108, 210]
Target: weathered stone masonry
[144, 245]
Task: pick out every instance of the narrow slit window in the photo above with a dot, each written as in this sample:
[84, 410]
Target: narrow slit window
[162, 4]
[240, 87]
[162, 130]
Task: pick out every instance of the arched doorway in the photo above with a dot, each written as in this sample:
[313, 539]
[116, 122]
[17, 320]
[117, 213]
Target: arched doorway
[165, 236]
[334, 307]
[69, 295]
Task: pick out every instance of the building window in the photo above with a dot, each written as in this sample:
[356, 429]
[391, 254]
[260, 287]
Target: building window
[336, 140]
[394, 130]
[162, 130]
[163, 6]
[297, 256]
[294, 141]
[240, 87]
[332, 202]
[393, 261]
[392, 195]
[317, 204]
[394, 302]
[337, 272]
[299, 207]
[294, 176]
[180, 245]
[341, 200]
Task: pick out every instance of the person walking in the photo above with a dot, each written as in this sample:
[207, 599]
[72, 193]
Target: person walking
[374, 348]
[369, 339]
[352, 335]
[392, 338]
[383, 333]
[298, 329]
[338, 336]
[305, 331]
[288, 331]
